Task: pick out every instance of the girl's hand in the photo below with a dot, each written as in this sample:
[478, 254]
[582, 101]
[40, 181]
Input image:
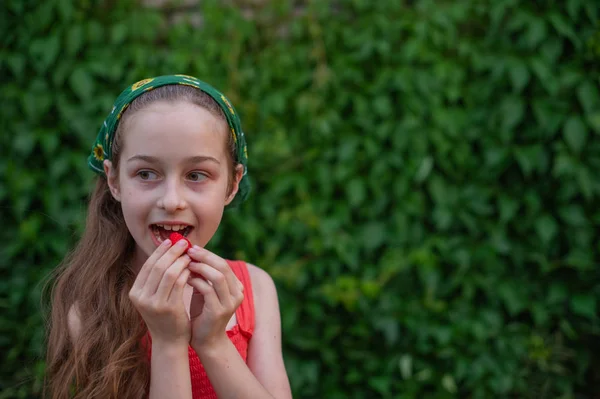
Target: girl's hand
[217, 294]
[157, 293]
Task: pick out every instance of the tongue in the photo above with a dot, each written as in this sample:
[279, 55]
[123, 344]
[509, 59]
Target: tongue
[164, 234]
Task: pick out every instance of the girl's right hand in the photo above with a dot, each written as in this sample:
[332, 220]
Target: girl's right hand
[157, 293]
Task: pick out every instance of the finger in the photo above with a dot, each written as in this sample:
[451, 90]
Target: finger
[161, 265]
[142, 276]
[215, 278]
[203, 255]
[170, 277]
[208, 292]
[176, 293]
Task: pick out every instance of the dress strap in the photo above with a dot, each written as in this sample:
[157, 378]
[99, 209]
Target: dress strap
[245, 312]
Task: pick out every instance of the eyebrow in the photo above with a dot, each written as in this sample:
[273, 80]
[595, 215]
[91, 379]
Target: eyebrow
[193, 159]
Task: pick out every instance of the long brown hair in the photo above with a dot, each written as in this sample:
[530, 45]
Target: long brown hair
[108, 359]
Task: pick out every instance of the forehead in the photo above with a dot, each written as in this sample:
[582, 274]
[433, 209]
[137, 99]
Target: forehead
[174, 130]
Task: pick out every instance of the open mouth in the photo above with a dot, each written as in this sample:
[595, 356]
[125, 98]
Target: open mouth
[162, 231]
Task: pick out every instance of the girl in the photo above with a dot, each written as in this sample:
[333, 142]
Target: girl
[135, 315]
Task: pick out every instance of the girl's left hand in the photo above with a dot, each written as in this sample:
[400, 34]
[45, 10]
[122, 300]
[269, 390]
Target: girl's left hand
[217, 295]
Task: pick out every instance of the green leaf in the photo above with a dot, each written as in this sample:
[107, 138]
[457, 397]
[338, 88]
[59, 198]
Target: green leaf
[374, 234]
[65, 10]
[536, 33]
[356, 192]
[119, 33]
[45, 51]
[512, 298]
[557, 293]
[23, 144]
[573, 7]
[82, 83]
[573, 215]
[594, 121]
[587, 183]
[530, 159]
[575, 133]
[380, 384]
[519, 75]
[588, 96]
[543, 72]
[16, 62]
[74, 40]
[449, 384]
[546, 228]
[508, 208]
[406, 366]
[584, 305]
[513, 109]
[424, 169]
[563, 27]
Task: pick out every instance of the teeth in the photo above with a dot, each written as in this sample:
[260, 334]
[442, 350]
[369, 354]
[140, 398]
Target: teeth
[175, 227]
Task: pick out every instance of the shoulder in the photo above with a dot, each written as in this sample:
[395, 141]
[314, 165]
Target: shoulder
[74, 322]
[264, 292]
[263, 287]
[261, 280]
[265, 357]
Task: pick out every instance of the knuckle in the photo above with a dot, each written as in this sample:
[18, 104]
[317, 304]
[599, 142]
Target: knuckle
[238, 299]
[161, 268]
[134, 300]
[181, 281]
[171, 274]
[135, 297]
[219, 278]
[160, 309]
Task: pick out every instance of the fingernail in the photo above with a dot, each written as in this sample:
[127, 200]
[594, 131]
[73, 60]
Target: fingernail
[196, 248]
[182, 243]
[166, 242]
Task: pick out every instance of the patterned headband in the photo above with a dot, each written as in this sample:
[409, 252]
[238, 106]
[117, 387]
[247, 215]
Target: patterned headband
[102, 148]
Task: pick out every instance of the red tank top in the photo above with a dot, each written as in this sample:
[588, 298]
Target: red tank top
[240, 335]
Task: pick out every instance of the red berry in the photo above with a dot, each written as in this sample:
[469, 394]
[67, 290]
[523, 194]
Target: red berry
[174, 237]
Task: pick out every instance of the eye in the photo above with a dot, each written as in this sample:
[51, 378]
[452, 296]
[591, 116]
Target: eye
[196, 176]
[146, 175]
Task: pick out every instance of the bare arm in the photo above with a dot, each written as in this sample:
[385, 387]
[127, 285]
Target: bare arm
[170, 372]
[265, 357]
[157, 294]
[169, 368]
[264, 375]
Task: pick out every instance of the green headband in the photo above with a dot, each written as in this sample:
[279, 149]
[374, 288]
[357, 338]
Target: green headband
[102, 148]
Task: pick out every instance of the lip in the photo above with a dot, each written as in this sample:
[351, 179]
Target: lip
[170, 223]
[167, 223]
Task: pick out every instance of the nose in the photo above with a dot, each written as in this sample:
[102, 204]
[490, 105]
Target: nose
[172, 198]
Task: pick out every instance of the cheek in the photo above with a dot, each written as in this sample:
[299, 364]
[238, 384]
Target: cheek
[134, 207]
[131, 214]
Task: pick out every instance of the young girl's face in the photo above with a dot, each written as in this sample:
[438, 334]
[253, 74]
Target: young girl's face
[173, 174]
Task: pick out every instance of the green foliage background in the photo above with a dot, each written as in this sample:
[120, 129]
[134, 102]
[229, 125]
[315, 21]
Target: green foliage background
[425, 179]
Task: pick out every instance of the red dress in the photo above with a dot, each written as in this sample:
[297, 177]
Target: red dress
[240, 335]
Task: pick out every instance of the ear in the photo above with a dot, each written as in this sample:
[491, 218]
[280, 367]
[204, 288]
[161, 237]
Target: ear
[239, 173]
[112, 178]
